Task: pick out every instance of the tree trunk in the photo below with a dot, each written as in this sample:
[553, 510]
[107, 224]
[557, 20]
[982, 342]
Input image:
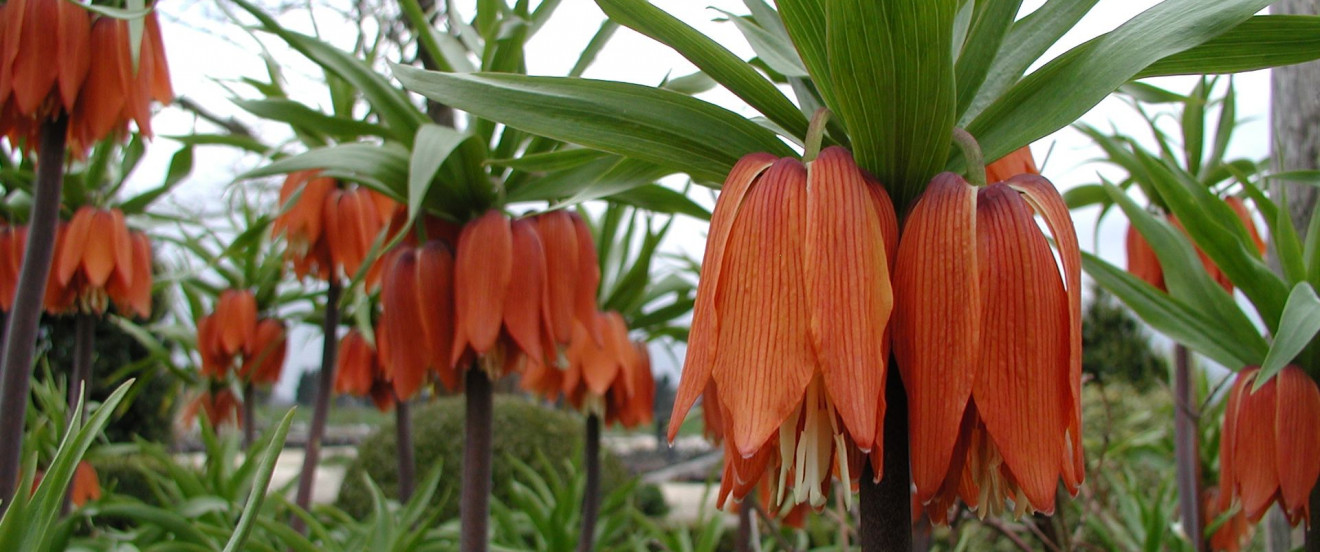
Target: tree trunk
[1295, 122]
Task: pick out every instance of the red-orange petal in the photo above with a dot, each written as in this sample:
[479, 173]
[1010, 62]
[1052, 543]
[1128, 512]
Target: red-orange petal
[75, 33]
[847, 279]
[406, 358]
[1240, 209]
[161, 89]
[353, 373]
[236, 319]
[482, 270]
[1022, 390]
[704, 335]
[72, 244]
[561, 259]
[101, 252]
[765, 359]
[435, 299]
[524, 301]
[1013, 164]
[1141, 259]
[599, 366]
[263, 360]
[937, 323]
[1256, 469]
[34, 72]
[587, 282]
[101, 102]
[1297, 427]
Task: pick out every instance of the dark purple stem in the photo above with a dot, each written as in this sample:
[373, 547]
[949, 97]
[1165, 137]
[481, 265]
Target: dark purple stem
[21, 330]
[404, 441]
[474, 510]
[1186, 453]
[591, 496]
[325, 384]
[886, 507]
[249, 415]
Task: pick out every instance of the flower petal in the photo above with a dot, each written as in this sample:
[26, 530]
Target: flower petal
[435, 301]
[764, 358]
[1022, 387]
[1141, 260]
[523, 312]
[482, 270]
[561, 261]
[72, 244]
[1297, 427]
[704, 334]
[847, 277]
[1254, 458]
[937, 323]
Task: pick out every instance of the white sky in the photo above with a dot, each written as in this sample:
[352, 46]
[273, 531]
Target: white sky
[204, 54]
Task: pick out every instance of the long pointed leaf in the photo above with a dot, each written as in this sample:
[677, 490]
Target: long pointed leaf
[1297, 327]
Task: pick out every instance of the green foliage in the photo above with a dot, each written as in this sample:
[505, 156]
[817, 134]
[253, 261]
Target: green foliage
[543, 511]
[1115, 347]
[524, 431]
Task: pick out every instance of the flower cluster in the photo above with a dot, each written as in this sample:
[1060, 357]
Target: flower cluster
[1144, 264]
[329, 228]
[234, 338]
[57, 58]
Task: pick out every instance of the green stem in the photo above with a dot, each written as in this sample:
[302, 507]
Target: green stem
[815, 134]
[972, 153]
[21, 330]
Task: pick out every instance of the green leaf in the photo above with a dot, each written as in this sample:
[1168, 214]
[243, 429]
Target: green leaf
[805, 22]
[306, 119]
[892, 72]
[1025, 43]
[1261, 42]
[1193, 126]
[384, 167]
[659, 126]
[1297, 327]
[432, 147]
[605, 177]
[598, 41]
[659, 199]
[551, 161]
[270, 454]
[1070, 85]
[1147, 93]
[1084, 196]
[713, 59]
[181, 166]
[246, 143]
[992, 20]
[775, 50]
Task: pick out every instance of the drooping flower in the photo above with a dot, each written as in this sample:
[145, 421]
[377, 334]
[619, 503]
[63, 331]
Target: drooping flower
[330, 228]
[632, 403]
[987, 335]
[85, 487]
[224, 335]
[499, 295]
[1270, 440]
[221, 406]
[1233, 533]
[354, 218]
[416, 331]
[359, 371]
[789, 327]
[57, 57]
[611, 379]
[1144, 264]
[1013, 164]
[100, 260]
[263, 357]
[572, 275]
[302, 219]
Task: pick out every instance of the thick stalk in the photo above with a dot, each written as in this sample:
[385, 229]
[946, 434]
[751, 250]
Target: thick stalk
[745, 520]
[249, 415]
[325, 384]
[84, 339]
[1187, 456]
[404, 441]
[886, 507]
[590, 497]
[1313, 531]
[474, 510]
[21, 330]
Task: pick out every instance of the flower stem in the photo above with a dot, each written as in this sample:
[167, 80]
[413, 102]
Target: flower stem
[1187, 456]
[1313, 529]
[972, 153]
[249, 416]
[404, 441]
[325, 384]
[591, 496]
[815, 133]
[80, 380]
[886, 520]
[745, 520]
[21, 330]
[474, 510]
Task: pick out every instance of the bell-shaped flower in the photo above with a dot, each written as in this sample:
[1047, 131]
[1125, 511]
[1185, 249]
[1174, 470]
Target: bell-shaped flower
[100, 260]
[499, 294]
[572, 275]
[263, 357]
[359, 372]
[302, 223]
[1233, 533]
[354, 218]
[790, 322]
[1270, 441]
[631, 403]
[416, 331]
[987, 336]
[224, 335]
[220, 404]
[1144, 264]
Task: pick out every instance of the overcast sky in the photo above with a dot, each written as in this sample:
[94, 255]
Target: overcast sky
[206, 55]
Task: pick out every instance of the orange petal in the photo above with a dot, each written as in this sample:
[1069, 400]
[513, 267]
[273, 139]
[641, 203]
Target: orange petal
[1022, 387]
[1244, 215]
[764, 360]
[1141, 260]
[86, 485]
[236, 318]
[139, 295]
[523, 313]
[587, 282]
[34, 72]
[401, 318]
[75, 32]
[704, 335]
[123, 246]
[73, 243]
[1255, 465]
[264, 360]
[561, 261]
[104, 93]
[101, 249]
[1045, 200]
[847, 277]
[435, 300]
[599, 367]
[161, 89]
[1228, 439]
[353, 370]
[937, 323]
[1297, 426]
[482, 270]
[1013, 164]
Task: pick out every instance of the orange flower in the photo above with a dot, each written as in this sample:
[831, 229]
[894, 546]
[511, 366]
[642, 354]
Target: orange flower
[987, 335]
[86, 485]
[1013, 164]
[1270, 441]
[57, 57]
[354, 217]
[632, 403]
[13, 241]
[572, 275]
[790, 322]
[359, 372]
[416, 329]
[1143, 263]
[220, 405]
[611, 379]
[99, 260]
[499, 315]
[228, 332]
[263, 357]
[1233, 533]
[301, 220]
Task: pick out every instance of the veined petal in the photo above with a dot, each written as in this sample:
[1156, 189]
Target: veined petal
[1141, 259]
[264, 358]
[1046, 201]
[937, 323]
[1022, 388]
[101, 252]
[482, 271]
[561, 260]
[353, 373]
[435, 301]
[1297, 427]
[847, 279]
[599, 367]
[72, 244]
[587, 283]
[764, 358]
[123, 246]
[1254, 460]
[34, 73]
[75, 32]
[523, 312]
[1228, 440]
[704, 334]
[1013, 164]
[236, 318]
[401, 319]
[161, 89]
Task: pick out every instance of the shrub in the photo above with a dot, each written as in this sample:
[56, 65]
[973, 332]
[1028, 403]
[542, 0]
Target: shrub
[523, 430]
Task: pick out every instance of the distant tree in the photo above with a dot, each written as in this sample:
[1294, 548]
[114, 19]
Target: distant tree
[1115, 347]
